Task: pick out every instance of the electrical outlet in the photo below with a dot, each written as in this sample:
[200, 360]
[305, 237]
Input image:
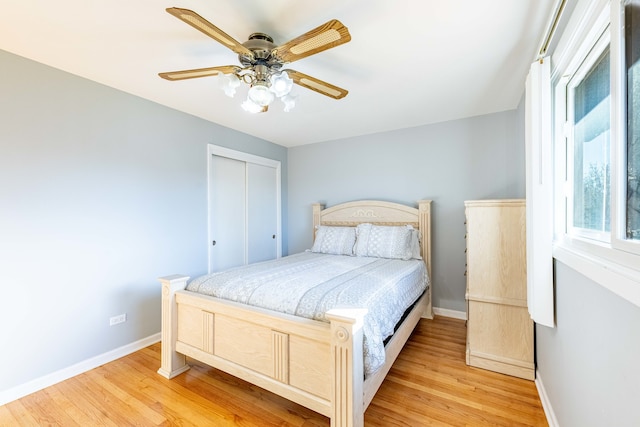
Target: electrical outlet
[121, 318]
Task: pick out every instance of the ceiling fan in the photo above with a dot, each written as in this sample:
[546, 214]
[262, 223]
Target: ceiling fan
[262, 61]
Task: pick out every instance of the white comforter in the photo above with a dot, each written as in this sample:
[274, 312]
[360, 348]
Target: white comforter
[309, 284]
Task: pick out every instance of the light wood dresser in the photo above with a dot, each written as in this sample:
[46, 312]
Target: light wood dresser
[499, 329]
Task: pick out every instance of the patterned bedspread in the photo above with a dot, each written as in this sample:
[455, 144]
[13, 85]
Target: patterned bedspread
[309, 284]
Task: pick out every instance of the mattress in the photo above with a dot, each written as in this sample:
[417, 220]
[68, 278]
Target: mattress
[309, 284]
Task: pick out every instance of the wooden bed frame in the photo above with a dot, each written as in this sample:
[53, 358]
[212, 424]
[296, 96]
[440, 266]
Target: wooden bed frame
[316, 364]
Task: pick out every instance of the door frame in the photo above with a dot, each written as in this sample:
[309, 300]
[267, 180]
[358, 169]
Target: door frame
[216, 150]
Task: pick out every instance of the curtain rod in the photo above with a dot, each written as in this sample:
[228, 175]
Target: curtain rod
[552, 29]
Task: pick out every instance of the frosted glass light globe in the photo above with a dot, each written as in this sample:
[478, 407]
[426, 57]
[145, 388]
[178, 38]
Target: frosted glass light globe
[229, 83]
[261, 95]
[289, 102]
[281, 84]
[251, 107]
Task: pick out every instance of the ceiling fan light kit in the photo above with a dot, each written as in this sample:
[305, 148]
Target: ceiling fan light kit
[262, 61]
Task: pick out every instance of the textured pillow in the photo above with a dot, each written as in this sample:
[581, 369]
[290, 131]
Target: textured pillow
[334, 240]
[384, 241]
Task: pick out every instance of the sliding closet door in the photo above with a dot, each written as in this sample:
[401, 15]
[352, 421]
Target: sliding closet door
[261, 212]
[244, 208]
[227, 208]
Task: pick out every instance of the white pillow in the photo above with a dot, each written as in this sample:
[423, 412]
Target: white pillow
[334, 240]
[384, 241]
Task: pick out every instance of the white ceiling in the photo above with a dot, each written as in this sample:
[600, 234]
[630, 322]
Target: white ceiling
[409, 63]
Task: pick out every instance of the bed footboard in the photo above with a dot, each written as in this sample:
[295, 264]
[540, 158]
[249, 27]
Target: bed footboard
[315, 364]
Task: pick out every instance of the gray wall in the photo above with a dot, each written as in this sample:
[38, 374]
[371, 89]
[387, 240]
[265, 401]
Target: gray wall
[590, 363]
[101, 192]
[474, 158]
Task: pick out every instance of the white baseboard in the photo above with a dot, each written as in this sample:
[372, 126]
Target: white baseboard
[445, 312]
[37, 384]
[546, 403]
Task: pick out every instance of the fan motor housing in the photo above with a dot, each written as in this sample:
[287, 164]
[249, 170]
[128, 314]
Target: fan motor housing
[261, 45]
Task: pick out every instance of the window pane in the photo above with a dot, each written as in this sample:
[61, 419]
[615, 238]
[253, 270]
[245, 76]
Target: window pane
[632, 42]
[591, 189]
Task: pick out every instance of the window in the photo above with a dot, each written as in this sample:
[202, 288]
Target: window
[596, 85]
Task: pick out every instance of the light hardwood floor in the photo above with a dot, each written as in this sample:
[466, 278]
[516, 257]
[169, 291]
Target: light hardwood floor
[429, 385]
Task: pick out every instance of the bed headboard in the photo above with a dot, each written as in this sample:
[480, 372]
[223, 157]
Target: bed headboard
[379, 213]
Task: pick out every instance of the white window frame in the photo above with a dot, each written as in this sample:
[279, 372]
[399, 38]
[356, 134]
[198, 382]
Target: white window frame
[614, 264]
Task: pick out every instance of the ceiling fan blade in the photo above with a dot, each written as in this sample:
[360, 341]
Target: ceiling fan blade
[326, 36]
[319, 86]
[199, 72]
[201, 24]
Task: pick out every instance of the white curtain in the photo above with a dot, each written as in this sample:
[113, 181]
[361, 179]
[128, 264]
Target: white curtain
[539, 170]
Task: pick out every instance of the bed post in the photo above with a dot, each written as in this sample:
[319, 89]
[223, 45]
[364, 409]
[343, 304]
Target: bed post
[347, 400]
[317, 207]
[424, 213]
[172, 362]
